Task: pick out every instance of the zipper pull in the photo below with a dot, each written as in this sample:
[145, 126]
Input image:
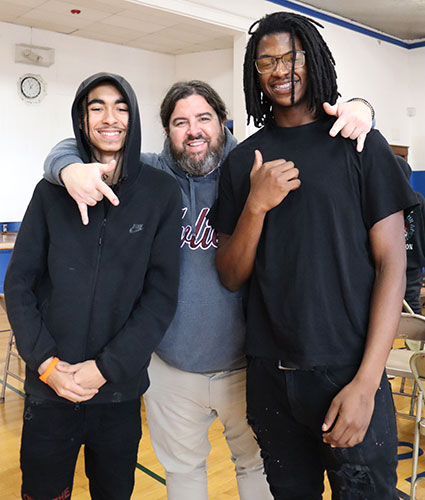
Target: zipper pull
[102, 230]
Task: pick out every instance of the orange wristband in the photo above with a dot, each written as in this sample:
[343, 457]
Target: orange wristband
[49, 370]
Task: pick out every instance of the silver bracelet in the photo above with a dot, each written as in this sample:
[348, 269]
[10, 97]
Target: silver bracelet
[367, 103]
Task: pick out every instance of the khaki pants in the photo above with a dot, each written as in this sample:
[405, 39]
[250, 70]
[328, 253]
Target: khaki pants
[180, 407]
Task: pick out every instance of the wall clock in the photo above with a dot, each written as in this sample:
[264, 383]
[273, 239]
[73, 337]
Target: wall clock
[31, 88]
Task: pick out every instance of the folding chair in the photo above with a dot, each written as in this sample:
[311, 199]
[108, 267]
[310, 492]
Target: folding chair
[11, 351]
[417, 364]
[412, 330]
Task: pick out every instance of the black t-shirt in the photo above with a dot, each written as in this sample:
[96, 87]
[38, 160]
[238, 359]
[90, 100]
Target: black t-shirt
[309, 293]
[415, 235]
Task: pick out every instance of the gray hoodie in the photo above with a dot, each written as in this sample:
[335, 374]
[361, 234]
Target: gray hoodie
[207, 333]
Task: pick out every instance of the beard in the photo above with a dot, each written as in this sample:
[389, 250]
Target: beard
[202, 166]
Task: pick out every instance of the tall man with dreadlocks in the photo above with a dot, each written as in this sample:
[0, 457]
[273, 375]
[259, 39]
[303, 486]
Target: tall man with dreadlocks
[317, 229]
[89, 304]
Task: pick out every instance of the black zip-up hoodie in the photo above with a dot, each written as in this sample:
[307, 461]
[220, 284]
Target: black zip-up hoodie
[106, 291]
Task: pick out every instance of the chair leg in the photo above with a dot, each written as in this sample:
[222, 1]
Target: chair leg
[10, 352]
[415, 485]
[403, 381]
[6, 367]
[413, 491]
[416, 447]
[413, 400]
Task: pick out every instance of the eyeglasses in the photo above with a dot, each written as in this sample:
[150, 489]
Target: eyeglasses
[267, 64]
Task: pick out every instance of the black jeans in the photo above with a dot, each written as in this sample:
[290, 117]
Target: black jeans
[52, 436]
[286, 409]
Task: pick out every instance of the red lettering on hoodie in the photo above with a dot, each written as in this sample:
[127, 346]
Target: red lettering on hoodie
[203, 237]
[64, 495]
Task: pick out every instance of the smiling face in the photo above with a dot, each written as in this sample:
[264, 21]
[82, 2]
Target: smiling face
[196, 135]
[107, 121]
[277, 85]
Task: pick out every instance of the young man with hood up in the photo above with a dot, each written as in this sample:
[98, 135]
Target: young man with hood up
[89, 304]
[198, 372]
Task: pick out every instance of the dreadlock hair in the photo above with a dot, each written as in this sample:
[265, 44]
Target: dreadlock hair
[84, 123]
[319, 61]
[181, 90]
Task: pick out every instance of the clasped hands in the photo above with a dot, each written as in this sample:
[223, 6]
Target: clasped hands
[76, 383]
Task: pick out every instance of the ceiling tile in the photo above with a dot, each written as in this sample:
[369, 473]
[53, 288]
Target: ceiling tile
[53, 18]
[25, 3]
[204, 28]
[179, 32]
[108, 8]
[208, 27]
[219, 43]
[134, 24]
[45, 25]
[120, 4]
[159, 39]
[117, 31]
[154, 15]
[154, 47]
[104, 37]
[403, 19]
[11, 10]
[64, 9]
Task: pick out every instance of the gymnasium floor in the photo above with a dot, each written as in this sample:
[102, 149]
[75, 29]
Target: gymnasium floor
[150, 474]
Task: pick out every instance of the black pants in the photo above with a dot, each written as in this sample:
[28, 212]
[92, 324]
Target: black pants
[286, 410]
[52, 436]
[412, 296]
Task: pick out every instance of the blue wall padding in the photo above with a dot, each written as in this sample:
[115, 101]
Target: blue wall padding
[417, 180]
[4, 261]
[12, 227]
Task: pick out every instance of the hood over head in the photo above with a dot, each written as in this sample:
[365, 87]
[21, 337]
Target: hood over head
[132, 144]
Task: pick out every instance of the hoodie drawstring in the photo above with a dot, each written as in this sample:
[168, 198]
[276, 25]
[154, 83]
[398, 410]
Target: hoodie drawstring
[192, 202]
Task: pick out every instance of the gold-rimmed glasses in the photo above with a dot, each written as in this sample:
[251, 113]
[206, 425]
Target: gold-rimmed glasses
[267, 64]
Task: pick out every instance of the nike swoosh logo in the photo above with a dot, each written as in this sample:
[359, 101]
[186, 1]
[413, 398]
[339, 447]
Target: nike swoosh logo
[135, 228]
